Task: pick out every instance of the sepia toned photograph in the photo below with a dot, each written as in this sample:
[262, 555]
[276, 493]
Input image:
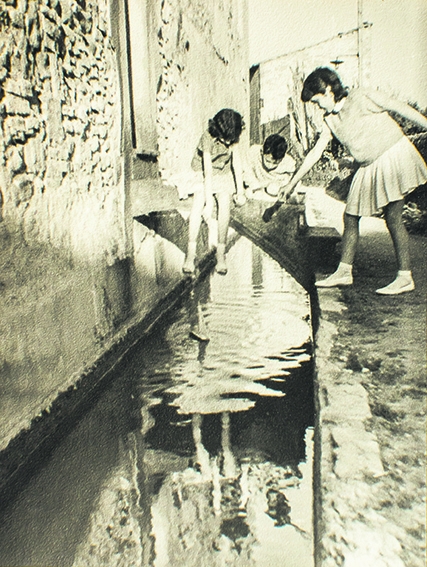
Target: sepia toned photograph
[213, 283]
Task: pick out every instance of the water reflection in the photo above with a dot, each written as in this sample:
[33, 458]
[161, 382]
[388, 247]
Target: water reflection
[226, 429]
[201, 450]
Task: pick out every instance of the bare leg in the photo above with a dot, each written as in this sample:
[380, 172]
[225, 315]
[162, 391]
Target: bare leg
[350, 238]
[393, 217]
[193, 231]
[343, 274]
[196, 216]
[403, 282]
[224, 203]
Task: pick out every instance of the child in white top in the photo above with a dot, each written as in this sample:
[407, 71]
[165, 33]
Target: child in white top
[268, 167]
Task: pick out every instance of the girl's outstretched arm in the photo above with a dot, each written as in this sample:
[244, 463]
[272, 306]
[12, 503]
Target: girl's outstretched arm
[207, 175]
[393, 105]
[310, 159]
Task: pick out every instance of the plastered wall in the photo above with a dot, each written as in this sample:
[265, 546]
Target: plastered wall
[204, 67]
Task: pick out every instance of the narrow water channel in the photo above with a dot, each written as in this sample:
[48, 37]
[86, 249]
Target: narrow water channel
[200, 452]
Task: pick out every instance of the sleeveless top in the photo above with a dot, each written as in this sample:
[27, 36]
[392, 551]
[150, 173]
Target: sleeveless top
[364, 127]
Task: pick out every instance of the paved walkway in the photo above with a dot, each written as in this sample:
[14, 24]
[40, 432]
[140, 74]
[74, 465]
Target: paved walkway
[371, 374]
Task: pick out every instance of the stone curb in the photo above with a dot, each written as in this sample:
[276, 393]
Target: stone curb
[349, 531]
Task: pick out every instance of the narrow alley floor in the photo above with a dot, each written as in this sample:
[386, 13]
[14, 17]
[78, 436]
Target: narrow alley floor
[380, 342]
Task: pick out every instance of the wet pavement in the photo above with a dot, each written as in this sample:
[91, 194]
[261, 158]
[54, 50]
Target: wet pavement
[200, 453]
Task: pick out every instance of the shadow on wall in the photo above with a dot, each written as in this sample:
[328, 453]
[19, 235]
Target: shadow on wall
[58, 316]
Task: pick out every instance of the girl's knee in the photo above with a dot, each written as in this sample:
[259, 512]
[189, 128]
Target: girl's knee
[198, 201]
[224, 200]
[393, 212]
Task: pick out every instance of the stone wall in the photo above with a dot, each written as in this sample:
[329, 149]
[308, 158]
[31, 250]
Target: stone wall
[204, 67]
[77, 274]
[64, 259]
[60, 126]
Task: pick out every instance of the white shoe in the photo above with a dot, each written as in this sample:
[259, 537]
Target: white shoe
[401, 284]
[188, 266]
[221, 265]
[336, 279]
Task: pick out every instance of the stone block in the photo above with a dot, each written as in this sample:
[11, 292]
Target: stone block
[15, 160]
[32, 125]
[38, 185]
[94, 144]
[34, 156]
[356, 453]
[42, 66]
[22, 88]
[58, 165]
[14, 129]
[82, 112]
[98, 104]
[68, 126]
[347, 402]
[35, 38]
[105, 162]
[102, 132]
[53, 180]
[54, 120]
[66, 14]
[79, 48]
[68, 110]
[65, 150]
[22, 189]
[49, 44]
[79, 127]
[17, 19]
[93, 72]
[16, 105]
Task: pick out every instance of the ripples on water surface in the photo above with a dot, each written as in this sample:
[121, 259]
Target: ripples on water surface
[200, 453]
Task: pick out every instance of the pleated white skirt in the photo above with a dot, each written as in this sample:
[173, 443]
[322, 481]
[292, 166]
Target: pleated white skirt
[397, 172]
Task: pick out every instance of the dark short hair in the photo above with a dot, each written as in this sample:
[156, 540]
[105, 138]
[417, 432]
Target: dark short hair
[318, 81]
[275, 145]
[227, 124]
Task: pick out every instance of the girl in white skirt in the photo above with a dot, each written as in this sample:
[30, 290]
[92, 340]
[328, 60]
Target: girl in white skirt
[390, 166]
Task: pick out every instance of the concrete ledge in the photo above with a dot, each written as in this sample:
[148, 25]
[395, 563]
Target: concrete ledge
[349, 530]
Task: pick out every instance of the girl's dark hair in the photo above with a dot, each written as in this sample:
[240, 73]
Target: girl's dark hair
[319, 80]
[276, 146]
[227, 124]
